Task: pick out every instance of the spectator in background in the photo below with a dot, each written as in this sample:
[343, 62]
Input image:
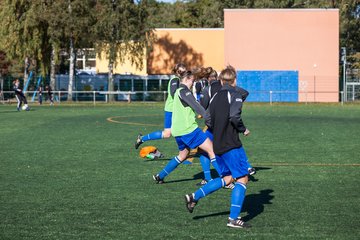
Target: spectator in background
[40, 94]
[50, 95]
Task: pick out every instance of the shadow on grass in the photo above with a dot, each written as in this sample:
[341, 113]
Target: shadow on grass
[253, 178]
[214, 174]
[157, 160]
[14, 111]
[212, 215]
[180, 180]
[254, 205]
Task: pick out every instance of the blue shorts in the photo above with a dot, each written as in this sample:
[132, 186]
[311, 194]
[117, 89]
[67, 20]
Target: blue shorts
[191, 140]
[233, 162]
[167, 119]
[209, 135]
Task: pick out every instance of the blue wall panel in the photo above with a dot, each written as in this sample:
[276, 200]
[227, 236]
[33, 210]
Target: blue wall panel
[284, 85]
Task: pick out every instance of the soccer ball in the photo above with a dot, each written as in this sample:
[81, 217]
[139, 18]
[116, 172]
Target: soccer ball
[25, 107]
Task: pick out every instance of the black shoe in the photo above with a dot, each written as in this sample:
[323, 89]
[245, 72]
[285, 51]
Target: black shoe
[238, 223]
[190, 202]
[138, 141]
[251, 171]
[202, 183]
[157, 179]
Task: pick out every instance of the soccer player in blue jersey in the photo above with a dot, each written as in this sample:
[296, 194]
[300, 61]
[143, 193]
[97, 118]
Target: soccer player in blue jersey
[172, 86]
[224, 119]
[184, 126]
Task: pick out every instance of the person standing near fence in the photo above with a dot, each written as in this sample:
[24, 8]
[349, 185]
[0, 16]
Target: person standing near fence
[173, 85]
[40, 95]
[50, 95]
[20, 97]
[224, 118]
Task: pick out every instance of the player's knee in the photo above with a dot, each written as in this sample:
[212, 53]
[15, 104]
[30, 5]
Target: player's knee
[228, 179]
[166, 133]
[183, 155]
[244, 180]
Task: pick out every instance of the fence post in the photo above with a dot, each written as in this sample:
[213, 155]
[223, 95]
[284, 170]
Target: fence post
[342, 97]
[94, 98]
[129, 97]
[353, 98]
[270, 97]
[59, 97]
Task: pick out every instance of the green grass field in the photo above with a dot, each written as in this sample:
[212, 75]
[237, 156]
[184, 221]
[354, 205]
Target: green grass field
[66, 172]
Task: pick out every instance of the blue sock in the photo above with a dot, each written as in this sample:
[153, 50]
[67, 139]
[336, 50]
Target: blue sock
[215, 165]
[210, 187]
[237, 199]
[169, 167]
[152, 136]
[205, 164]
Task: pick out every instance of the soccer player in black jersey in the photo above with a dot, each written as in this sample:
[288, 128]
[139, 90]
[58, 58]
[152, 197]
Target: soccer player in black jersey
[224, 119]
[207, 93]
[20, 97]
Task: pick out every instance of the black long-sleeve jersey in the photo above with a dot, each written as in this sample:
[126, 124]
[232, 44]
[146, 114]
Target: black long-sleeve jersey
[224, 118]
[188, 99]
[200, 85]
[18, 91]
[174, 85]
[208, 92]
[213, 88]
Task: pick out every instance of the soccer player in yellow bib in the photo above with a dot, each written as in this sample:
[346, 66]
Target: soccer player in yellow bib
[184, 126]
[178, 69]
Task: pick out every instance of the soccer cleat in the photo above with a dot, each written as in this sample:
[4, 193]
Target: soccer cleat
[251, 171]
[157, 179]
[190, 202]
[237, 223]
[230, 186]
[138, 141]
[18, 109]
[202, 183]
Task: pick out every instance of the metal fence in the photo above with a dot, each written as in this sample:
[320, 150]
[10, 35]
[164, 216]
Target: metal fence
[91, 96]
[352, 91]
[95, 97]
[94, 88]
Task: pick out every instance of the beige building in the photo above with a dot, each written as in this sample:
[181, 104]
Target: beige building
[194, 47]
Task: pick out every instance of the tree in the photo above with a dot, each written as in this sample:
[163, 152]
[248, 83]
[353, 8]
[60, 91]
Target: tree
[122, 32]
[24, 34]
[70, 24]
[4, 68]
